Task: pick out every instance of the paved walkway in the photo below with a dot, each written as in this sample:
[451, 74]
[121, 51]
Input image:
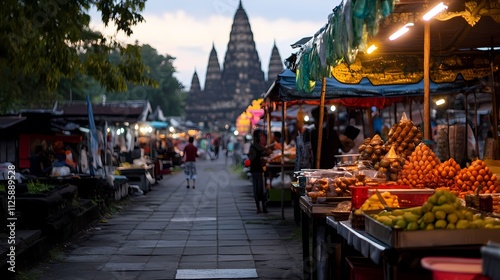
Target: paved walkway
[211, 232]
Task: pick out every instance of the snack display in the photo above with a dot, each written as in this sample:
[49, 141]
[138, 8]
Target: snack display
[391, 165]
[404, 136]
[372, 149]
[445, 173]
[443, 210]
[418, 170]
[328, 183]
[477, 178]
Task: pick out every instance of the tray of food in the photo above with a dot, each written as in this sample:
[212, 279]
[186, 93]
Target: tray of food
[403, 238]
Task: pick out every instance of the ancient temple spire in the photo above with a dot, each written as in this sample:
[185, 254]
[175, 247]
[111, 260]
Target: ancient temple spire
[213, 76]
[195, 84]
[242, 75]
[275, 66]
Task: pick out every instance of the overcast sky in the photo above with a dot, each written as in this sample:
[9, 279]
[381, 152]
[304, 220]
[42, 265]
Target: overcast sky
[186, 29]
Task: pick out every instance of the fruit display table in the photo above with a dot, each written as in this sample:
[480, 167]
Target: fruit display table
[397, 263]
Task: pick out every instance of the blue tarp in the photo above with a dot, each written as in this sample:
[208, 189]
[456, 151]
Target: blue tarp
[287, 88]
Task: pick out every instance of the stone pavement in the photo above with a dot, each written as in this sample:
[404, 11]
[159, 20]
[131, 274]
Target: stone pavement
[211, 232]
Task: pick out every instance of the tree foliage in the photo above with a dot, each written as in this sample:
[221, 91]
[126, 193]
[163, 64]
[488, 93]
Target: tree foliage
[43, 42]
[168, 94]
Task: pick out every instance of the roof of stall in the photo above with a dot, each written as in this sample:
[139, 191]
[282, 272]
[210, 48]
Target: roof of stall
[285, 89]
[457, 37]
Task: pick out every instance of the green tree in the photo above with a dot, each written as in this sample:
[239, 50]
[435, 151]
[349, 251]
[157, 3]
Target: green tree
[43, 42]
[169, 92]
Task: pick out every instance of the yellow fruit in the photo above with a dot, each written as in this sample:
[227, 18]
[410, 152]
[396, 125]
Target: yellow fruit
[462, 224]
[440, 215]
[452, 218]
[440, 224]
[412, 226]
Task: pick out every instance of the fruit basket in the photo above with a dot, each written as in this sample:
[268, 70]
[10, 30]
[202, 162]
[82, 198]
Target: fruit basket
[399, 238]
[408, 198]
[360, 193]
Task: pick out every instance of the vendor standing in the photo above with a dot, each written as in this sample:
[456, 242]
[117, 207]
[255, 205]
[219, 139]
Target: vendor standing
[256, 153]
[330, 144]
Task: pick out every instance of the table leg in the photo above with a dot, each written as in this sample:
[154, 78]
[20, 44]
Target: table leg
[306, 259]
[334, 254]
[388, 270]
[296, 207]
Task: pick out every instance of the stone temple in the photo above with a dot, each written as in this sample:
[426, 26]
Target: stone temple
[229, 90]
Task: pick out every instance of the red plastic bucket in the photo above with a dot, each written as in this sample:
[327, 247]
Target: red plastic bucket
[444, 268]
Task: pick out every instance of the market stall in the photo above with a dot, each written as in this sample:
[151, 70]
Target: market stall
[450, 55]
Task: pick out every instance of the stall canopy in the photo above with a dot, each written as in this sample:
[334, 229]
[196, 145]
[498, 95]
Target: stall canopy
[458, 38]
[363, 94]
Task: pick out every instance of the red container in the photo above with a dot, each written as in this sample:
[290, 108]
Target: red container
[409, 197]
[364, 269]
[360, 193]
[444, 268]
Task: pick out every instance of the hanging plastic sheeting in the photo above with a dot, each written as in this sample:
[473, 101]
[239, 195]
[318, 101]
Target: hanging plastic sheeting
[347, 31]
[304, 82]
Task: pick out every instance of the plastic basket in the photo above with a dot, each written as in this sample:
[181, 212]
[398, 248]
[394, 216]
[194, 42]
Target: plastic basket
[409, 197]
[360, 193]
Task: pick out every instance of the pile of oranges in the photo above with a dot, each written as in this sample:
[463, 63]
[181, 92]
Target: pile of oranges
[445, 173]
[418, 169]
[477, 178]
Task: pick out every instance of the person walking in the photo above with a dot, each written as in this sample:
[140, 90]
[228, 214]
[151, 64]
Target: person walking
[190, 154]
[256, 153]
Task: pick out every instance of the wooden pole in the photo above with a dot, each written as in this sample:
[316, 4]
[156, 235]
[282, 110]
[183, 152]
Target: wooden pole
[320, 122]
[283, 114]
[494, 107]
[268, 123]
[369, 120]
[427, 106]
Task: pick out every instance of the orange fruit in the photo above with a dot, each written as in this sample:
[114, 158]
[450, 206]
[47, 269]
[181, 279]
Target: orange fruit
[482, 172]
[479, 178]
